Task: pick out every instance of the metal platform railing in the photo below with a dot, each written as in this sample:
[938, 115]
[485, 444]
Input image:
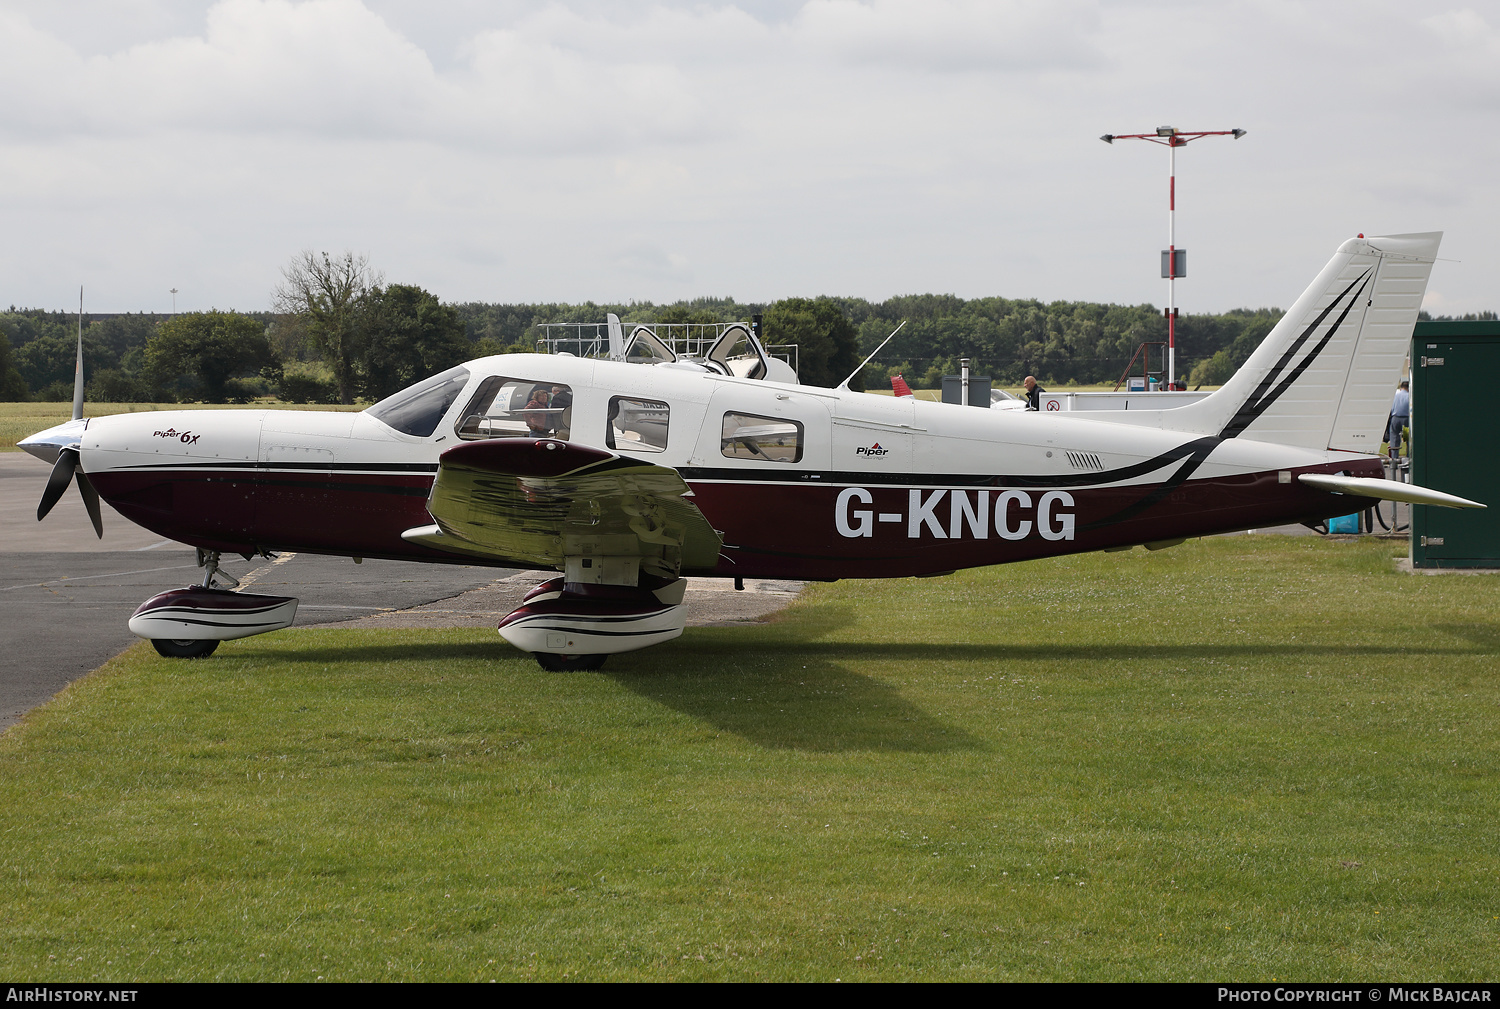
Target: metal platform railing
[685, 339]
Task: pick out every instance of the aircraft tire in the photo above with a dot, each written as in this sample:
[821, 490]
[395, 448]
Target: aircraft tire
[554, 663]
[185, 649]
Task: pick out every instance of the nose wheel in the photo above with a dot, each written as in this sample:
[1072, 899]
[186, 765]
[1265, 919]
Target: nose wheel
[185, 649]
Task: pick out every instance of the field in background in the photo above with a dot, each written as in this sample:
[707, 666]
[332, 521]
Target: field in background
[1246, 758]
[17, 420]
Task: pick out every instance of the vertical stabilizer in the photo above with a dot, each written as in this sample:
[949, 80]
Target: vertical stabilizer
[1324, 377]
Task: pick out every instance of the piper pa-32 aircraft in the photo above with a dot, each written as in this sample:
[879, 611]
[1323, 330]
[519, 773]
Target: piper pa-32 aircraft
[628, 474]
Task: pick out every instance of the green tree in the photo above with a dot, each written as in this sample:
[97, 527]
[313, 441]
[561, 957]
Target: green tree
[12, 385]
[330, 295]
[51, 357]
[215, 348]
[827, 342]
[408, 335]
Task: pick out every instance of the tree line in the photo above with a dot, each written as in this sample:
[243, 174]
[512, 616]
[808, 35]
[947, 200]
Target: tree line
[338, 333]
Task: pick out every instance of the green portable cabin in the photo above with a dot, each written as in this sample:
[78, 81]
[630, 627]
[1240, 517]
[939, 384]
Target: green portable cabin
[1455, 429]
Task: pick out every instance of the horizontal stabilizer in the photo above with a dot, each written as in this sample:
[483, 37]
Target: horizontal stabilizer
[1386, 490]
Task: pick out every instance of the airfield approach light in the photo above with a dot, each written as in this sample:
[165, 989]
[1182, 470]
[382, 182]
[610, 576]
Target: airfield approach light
[1174, 260]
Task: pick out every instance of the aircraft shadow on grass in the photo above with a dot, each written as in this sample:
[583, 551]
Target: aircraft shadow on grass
[1485, 636]
[784, 698]
[799, 694]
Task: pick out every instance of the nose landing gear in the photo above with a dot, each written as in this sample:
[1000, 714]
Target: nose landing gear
[189, 623]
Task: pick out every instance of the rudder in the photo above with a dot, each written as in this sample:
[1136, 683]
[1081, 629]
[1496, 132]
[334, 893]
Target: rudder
[1324, 377]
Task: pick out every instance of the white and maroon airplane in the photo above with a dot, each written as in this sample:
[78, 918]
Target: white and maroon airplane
[626, 475]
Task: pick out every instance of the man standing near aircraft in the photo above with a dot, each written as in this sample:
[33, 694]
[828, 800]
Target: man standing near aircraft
[1033, 393]
[1400, 418]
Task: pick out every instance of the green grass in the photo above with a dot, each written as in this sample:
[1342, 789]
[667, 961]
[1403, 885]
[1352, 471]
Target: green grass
[1247, 758]
[17, 420]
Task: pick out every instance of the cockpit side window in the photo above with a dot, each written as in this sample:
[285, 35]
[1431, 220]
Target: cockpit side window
[416, 410]
[517, 408]
[637, 425]
[766, 439]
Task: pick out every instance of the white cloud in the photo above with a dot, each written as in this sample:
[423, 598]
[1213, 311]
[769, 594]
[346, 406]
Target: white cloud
[573, 150]
[954, 35]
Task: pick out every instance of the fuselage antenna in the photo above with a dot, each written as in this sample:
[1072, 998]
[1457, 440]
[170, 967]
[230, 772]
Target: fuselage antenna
[845, 383]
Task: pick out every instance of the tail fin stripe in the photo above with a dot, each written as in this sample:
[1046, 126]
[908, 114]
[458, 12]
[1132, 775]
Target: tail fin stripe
[1261, 400]
[1312, 356]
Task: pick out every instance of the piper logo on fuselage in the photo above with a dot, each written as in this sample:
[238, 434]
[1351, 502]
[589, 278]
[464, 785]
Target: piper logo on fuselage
[874, 451]
[1016, 514]
[186, 437]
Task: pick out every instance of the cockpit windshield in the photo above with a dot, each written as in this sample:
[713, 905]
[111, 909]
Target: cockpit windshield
[416, 410]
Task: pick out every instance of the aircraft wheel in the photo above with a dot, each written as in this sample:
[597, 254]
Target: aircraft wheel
[200, 648]
[554, 663]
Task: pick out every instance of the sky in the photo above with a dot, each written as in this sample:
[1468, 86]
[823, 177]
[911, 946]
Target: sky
[579, 150]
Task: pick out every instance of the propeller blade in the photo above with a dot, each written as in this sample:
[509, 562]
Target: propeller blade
[90, 500]
[62, 475]
[78, 368]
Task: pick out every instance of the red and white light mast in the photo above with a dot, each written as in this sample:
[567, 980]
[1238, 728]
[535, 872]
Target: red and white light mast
[1173, 259]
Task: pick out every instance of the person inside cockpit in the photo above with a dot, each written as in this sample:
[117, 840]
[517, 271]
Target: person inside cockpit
[537, 412]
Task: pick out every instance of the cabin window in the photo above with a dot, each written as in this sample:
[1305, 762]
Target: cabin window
[517, 408]
[767, 439]
[637, 425]
[417, 410]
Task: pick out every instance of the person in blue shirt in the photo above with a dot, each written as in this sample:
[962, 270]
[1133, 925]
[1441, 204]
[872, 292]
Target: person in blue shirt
[1400, 418]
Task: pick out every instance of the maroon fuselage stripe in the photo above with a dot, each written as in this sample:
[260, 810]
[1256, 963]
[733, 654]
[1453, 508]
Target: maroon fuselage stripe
[771, 530]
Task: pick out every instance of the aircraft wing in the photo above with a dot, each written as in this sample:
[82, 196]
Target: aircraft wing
[535, 502]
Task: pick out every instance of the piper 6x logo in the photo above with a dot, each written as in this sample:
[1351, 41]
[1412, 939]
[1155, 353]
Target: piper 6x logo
[1016, 515]
[186, 437]
[873, 452]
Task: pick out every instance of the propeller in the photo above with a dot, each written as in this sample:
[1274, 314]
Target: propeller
[65, 471]
[67, 468]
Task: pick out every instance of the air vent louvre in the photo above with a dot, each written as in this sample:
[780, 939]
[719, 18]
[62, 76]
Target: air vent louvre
[1085, 460]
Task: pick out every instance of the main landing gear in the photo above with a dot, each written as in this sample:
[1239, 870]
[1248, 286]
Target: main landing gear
[555, 663]
[572, 626]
